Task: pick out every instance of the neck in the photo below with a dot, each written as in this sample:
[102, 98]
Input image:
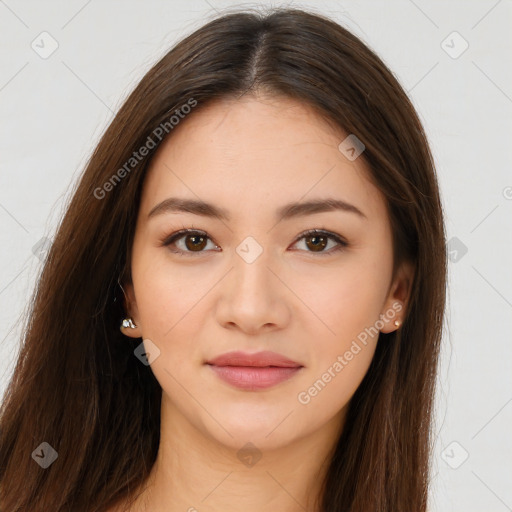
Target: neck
[194, 472]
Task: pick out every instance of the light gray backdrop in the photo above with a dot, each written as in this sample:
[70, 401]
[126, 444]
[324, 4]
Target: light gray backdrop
[67, 65]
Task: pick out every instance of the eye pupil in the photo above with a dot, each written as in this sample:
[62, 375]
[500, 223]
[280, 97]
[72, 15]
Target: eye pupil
[319, 244]
[200, 238]
[195, 242]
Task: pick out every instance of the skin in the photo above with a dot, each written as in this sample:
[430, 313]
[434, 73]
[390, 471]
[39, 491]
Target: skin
[251, 156]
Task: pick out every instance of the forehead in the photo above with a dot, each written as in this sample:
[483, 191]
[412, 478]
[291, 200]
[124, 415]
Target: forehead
[255, 152]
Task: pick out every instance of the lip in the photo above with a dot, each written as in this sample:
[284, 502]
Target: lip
[260, 359]
[260, 370]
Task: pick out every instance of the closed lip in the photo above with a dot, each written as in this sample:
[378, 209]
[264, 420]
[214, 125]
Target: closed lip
[258, 359]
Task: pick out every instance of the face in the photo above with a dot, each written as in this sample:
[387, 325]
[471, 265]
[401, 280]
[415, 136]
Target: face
[251, 278]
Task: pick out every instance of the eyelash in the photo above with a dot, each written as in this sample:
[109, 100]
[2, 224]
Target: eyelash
[171, 239]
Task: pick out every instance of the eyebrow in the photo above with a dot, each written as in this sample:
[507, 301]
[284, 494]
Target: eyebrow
[288, 211]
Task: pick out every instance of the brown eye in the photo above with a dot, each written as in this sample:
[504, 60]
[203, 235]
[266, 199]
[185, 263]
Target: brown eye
[187, 241]
[315, 241]
[195, 242]
[318, 242]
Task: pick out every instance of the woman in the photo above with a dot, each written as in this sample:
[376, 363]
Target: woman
[263, 218]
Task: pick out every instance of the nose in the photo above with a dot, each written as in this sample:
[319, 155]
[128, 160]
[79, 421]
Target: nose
[253, 297]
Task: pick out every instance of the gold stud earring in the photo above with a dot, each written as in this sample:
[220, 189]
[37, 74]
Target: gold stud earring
[397, 323]
[128, 322]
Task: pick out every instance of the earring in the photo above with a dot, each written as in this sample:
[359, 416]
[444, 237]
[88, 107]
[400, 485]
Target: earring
[128, 322]
[397, 323]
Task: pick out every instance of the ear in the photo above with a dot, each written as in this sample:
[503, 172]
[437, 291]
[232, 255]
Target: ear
[132, 312]
[395, 305]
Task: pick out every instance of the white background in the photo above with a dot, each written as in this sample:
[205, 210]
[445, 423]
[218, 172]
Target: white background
[53, 111]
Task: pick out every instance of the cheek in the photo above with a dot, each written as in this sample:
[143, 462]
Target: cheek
[348, 304]
[334, 383]
[171, 306]
[165, 294]
[339, 359]
[342, 357]
[346, 300]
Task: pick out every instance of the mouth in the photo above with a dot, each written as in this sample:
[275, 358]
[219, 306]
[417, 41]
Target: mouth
[254, 377]
[252, 372]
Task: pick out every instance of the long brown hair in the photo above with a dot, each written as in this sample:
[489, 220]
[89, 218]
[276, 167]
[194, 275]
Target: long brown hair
[77, 384]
